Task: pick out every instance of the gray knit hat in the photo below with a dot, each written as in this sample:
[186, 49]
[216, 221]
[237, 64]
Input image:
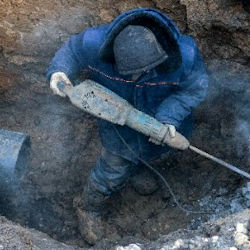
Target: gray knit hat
[136, 49]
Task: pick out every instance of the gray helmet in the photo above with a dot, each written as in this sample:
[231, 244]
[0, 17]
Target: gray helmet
[136, 49]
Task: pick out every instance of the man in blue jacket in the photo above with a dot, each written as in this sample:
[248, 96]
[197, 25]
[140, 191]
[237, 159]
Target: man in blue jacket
[143, 57]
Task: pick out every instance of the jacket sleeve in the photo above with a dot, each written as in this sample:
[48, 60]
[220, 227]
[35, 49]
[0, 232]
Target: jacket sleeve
[190, 92]
[70, 58]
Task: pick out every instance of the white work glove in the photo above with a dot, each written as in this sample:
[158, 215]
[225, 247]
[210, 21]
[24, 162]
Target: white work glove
[171, 130]
[59, 77]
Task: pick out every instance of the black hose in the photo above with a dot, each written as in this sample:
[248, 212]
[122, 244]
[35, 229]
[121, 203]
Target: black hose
[160, 176]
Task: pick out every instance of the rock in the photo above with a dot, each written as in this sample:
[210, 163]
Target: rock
[179, 243]
[241, 235]
[240, 239]
[241, 228]
[215, 238]
[129, 247]
[233, 248]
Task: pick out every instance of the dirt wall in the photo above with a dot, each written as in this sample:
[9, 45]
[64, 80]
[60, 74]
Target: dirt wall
[31, 31]
[64, 141]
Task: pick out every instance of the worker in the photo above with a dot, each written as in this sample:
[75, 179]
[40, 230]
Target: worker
[145, 59]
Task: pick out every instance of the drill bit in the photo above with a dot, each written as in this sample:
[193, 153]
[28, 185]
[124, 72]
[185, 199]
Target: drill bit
[219, 161]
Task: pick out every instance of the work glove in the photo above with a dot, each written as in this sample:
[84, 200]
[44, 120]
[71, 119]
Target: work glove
[55, 79]
[172, 139]
[171, 130]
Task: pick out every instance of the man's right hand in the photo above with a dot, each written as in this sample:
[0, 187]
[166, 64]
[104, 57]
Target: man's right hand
[56, 78]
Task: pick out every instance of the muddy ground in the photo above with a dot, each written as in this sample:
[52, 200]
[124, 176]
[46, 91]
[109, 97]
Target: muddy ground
[230, 232]
[65, 142]
[65, 145]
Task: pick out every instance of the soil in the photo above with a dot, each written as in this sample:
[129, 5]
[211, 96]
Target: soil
[230, 232]
[13, 236]
[65, 143]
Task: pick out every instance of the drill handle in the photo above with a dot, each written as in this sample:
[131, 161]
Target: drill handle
[65, 88]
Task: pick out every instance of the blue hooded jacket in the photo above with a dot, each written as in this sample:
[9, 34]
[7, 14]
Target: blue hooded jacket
[169, 92]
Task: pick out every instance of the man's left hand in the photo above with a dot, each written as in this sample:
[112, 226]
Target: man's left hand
[171, 130]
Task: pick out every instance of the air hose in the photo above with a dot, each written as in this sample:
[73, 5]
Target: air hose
[156, 172]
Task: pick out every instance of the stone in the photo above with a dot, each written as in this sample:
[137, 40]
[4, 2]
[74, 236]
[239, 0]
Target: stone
[129, 247]
[233, 248]
[215, 238]
[241, 228]
[240, 239]
[178, 243]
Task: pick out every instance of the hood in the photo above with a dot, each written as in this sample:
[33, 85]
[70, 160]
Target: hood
[163, 28]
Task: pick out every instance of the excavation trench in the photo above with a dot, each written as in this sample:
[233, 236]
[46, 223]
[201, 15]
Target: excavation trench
[65, 146]
[64, 141]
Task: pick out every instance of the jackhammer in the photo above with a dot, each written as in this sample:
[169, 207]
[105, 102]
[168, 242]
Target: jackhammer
[101, 102]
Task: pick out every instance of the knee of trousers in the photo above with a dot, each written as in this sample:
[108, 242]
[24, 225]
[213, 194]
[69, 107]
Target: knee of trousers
[110, 173]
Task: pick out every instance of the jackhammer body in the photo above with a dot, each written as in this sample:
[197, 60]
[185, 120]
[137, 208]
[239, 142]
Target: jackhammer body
[105, 104]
